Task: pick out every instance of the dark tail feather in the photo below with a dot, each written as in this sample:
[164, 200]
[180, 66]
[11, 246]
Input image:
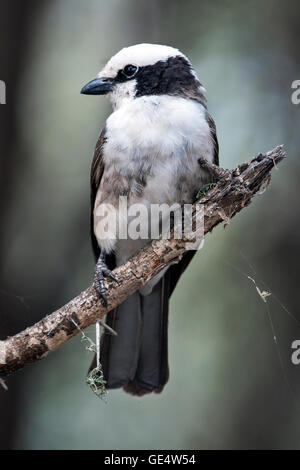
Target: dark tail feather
[137, 359]
[119, 354]
[153, 369]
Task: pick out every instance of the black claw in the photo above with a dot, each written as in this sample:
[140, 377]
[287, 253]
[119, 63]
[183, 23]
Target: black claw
[113, 277]
[104, 298]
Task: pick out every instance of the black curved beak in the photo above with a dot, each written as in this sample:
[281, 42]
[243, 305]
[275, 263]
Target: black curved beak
[99, 86]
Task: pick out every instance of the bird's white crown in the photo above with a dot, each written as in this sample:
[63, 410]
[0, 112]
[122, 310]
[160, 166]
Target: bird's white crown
[139, 55]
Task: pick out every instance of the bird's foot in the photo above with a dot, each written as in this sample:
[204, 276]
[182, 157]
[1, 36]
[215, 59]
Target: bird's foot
[102, 271]
[215, 172]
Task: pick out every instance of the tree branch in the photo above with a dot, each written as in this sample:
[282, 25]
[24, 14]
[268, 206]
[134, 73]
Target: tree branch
[232, 192]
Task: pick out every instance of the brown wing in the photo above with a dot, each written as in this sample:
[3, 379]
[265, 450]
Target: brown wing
[213, 132]
[97, 169]
[175, 271]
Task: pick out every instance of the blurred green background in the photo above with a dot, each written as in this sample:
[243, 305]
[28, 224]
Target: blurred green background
[227, 386]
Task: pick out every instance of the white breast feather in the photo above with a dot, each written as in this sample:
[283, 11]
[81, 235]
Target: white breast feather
[173, 132]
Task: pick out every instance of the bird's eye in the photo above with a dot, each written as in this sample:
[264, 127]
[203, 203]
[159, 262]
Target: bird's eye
[129, 71]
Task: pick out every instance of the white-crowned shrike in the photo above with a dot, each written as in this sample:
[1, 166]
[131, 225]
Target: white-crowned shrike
[148, 151]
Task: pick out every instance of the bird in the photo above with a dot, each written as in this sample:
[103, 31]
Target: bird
[148, 152]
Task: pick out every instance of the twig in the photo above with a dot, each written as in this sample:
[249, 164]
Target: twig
[3, 384]
[108, 328]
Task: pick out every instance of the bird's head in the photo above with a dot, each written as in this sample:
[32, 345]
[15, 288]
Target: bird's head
[143, 70]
